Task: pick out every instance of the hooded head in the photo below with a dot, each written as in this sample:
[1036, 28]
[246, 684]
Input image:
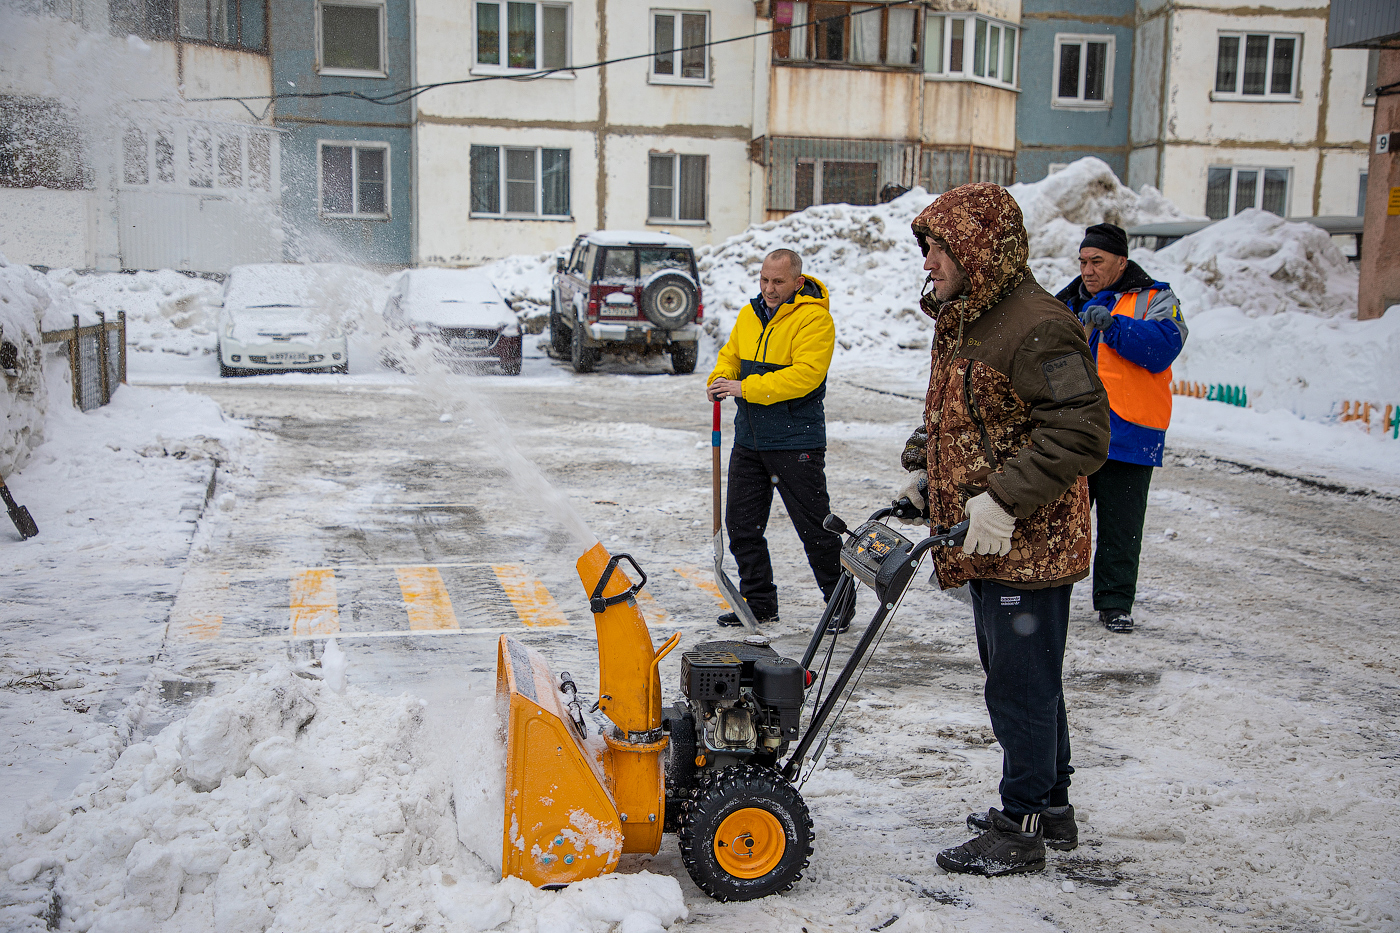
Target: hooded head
[983, 229]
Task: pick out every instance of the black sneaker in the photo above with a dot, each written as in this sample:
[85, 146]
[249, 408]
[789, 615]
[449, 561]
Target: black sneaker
[1061, 832]
[1117, 620]
[1002, 850]
[839, 623]
[732, 620]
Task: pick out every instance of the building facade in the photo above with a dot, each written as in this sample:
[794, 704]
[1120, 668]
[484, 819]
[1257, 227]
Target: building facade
[347, 138]
[1237, 107]
[115, 151]
[1077, 79]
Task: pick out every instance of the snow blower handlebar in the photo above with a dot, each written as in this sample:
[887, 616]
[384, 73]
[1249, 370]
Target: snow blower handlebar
[886, 562]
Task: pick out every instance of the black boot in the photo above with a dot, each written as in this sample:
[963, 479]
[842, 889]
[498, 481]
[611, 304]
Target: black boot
[1117, 620]
[1004, 849]
[732, 620]
[1061, 832]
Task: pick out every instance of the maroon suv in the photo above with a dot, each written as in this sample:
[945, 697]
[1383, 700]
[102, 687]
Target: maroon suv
[622, 290]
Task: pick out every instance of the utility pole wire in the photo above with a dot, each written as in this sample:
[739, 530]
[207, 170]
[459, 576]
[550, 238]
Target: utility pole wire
[404, 95]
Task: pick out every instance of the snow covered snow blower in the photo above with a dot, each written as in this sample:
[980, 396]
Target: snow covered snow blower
[714, 768]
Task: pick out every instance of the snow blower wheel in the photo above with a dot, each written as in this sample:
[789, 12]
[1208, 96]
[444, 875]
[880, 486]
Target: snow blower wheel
[745, 834]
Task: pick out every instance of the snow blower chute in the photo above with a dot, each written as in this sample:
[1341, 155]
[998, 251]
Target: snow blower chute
[714, 768]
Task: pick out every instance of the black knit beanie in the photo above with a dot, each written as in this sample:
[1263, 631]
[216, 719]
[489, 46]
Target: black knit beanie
[1108, 237]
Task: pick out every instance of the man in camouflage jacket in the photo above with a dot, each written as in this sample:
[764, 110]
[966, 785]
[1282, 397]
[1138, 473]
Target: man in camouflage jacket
[1014, 420]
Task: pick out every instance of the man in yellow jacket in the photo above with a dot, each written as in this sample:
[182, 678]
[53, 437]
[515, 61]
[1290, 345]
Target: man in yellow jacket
[774, 366]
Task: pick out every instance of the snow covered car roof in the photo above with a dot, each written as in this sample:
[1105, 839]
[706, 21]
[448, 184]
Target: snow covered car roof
[634, 238]
[323, 285]
[453, 298]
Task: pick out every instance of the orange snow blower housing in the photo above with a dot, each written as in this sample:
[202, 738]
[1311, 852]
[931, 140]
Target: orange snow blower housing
[573, 804]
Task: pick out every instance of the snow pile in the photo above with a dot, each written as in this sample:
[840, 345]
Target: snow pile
[285, 805]
[28, 305]
[1260, 263]
[166, 311]
[868, 258]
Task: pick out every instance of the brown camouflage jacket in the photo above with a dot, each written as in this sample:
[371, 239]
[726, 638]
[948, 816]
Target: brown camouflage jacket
[1014, 403]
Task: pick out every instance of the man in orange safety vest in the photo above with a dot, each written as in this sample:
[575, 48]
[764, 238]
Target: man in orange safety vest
[1135, 331]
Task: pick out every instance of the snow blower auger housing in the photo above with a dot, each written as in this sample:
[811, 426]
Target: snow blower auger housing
[714, 768]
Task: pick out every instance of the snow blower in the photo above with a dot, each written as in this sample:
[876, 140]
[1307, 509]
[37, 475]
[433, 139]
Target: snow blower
[714, 768]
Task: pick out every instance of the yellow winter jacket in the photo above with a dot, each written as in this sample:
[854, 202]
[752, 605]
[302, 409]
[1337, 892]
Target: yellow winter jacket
[782, 369]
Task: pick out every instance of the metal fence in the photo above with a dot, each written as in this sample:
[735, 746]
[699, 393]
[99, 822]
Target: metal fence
[96, 358]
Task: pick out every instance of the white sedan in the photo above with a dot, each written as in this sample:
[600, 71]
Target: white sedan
[462, 313]
[286, 318]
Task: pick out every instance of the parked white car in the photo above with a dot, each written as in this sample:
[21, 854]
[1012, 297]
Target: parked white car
[285, 318]
[460, 311]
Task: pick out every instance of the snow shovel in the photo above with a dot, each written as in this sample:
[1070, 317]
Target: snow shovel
[21, 517]
[726, 585]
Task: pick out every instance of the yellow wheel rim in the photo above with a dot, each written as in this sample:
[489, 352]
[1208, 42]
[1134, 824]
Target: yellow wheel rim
[750, 843]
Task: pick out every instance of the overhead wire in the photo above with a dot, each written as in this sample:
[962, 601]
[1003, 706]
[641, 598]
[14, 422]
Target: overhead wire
[404, 95]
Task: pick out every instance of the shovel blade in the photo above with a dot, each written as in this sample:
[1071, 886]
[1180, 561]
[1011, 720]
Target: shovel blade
[730, 591]
[24, 523]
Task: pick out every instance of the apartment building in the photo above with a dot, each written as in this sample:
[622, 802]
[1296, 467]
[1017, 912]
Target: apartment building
[115, 149]
[1237, 107]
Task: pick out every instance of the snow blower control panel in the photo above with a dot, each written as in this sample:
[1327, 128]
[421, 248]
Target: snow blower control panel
[877, 555]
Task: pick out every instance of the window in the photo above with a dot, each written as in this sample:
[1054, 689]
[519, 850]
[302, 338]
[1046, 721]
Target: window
[675, 35]
[676, 187]
[1083, 76]
[859, 33]
[970, 47]
[236, 23]
[218, 156]
[352, 39]
[837, 182]
[1260, 66]
[39, 145]
[1230, 190]
[536, 35]
[354, 180]
[514, 182]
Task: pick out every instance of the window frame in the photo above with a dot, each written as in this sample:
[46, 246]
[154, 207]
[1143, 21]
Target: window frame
[564, 72]
[808, 33]
[1082, 40]
[176, 136]
[502, 181]
[1258, 186]
[383, 72]
[355, 145]
[674, 217]
[1293, 96]
[969, 40]
[676, 79]
[818, 164]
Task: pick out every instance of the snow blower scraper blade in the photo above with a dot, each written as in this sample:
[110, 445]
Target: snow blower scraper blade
[24, 522]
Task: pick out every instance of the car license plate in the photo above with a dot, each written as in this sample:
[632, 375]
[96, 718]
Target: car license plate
[286, 358]
[471, 343]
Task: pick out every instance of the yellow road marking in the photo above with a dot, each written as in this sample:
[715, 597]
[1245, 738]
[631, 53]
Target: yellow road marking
[205, 620]
[424, 596]
[704, 581]
[651, 609]
[313, 603]
[531, 600]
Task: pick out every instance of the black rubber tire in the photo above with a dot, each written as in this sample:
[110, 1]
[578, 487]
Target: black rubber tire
[583, 357]
[683, 357]
[560, 339]
[719, 794]
[669, 301]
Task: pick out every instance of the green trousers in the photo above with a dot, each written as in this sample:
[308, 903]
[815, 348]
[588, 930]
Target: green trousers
[1119, 494]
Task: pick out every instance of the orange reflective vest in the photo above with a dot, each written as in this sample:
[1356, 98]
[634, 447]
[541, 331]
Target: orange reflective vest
[1134, 394]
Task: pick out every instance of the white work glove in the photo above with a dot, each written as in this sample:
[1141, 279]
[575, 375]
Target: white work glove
[989, 527]
[917, 493]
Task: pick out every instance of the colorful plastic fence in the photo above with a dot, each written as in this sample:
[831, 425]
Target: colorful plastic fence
[1361, 411]
[1230, 395]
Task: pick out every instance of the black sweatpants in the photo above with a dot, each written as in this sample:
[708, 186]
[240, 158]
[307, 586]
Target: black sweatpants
[1119, 493]
[800, 476]
[1021, 641]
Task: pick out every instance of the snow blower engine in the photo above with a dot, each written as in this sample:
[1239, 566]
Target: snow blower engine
[721, 767]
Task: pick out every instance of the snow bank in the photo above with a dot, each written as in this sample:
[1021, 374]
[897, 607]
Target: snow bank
[166, 311]
[29, 304]
[1260, 263]
[285, 805]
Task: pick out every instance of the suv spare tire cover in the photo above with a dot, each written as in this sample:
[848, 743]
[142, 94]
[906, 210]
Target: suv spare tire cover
[669, 299]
